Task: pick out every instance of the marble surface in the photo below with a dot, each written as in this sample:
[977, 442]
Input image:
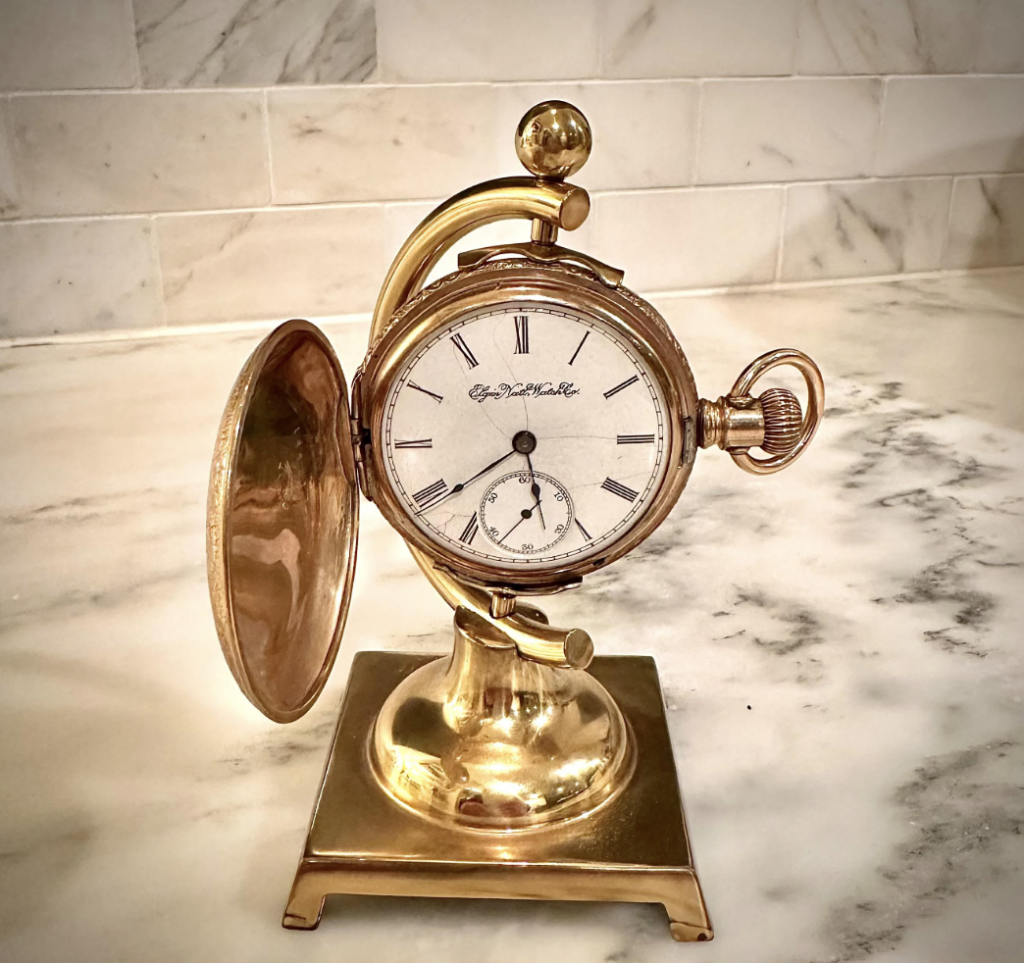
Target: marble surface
[839, 646]
[888, 36]
[737, 38]
[788, 129]
[125, 153]
[66, 44]
[986, 222]
[863, 228]
[204, 43]
[918, 133]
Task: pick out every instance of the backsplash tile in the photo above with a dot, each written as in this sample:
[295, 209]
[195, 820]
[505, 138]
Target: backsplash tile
[986, 224]
[281, 150]
[787, 130]
[862, 228]
[66, 45]
[1001, 37]
[676, 38]
[426, 41]
[204, 43]
[952, 125]
[59, 277]
[887, 36]
[9, 195]
[689, 238]
[271, 264]
[370, 142]
[644, 133]
[126, 153]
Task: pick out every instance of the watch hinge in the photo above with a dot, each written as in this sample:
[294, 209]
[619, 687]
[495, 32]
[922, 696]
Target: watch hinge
[360, 437]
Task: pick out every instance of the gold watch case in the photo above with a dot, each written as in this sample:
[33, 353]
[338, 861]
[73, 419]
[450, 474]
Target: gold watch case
[283, 521]
[556, 284]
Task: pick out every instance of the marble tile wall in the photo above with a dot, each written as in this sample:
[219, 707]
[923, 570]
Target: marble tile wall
[169, 162]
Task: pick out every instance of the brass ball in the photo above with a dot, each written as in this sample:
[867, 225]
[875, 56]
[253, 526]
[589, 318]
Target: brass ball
[553, 140]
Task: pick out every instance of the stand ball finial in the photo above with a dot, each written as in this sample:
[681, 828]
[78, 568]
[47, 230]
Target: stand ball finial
[553, 140]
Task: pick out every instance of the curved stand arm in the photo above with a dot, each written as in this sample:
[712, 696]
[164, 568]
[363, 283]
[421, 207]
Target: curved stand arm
[560, 204]
[526, 628]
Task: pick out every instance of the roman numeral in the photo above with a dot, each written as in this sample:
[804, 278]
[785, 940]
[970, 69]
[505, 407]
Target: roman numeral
[522, 334]
[464, 348]
[469, 532]
[625, 384]
[635, 439]
[420, 443]
[416, 387]
[431, 493]
[617, 488]
[578, 347]
[583, 531]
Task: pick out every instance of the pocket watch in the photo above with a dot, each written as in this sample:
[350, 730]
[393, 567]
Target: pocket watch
[521, 423]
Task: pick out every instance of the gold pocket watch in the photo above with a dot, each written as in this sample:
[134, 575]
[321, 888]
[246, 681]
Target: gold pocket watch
[521, 423]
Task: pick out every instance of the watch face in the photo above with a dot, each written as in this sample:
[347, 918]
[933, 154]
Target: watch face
[525, 436]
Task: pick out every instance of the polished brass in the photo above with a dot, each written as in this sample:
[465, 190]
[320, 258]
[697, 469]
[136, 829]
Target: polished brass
[556, 284]
[561, 204]
[634, 848]
[547, 253]
[541, 232]
[783, 419]
[283, 514]
[520, 766]
[525, 626]
[553, 140]
[493, 741]
[773, 421]
[732, 424]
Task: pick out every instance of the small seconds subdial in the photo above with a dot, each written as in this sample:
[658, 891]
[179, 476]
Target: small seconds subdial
[525, 513]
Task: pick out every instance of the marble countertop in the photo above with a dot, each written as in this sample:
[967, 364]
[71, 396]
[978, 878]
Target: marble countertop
[840, 647]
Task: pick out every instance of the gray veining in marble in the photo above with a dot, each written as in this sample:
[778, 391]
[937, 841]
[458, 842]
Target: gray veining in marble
[199, 43]
[839, 645]
[887, 36]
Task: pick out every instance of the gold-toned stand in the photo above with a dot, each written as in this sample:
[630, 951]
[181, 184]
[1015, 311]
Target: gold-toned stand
[519, 766]
[633, 848]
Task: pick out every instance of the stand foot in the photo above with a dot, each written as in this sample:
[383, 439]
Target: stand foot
[632, 849]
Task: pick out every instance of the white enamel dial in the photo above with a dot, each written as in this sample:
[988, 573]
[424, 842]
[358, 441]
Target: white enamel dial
[534, 391]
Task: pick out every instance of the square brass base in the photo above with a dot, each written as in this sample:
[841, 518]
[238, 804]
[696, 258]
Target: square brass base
[633, 849]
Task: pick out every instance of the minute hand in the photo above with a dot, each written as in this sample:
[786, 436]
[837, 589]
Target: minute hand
[458, 488]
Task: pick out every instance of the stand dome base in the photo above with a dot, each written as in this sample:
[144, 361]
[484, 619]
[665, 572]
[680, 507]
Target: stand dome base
[632, 849]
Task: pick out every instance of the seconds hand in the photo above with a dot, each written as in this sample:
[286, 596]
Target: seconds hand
[526, 513]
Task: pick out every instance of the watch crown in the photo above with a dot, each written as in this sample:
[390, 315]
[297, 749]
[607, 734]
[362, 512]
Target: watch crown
[783, 419]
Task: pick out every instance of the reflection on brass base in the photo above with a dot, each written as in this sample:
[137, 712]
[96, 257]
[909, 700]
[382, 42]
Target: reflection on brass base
[633, 849]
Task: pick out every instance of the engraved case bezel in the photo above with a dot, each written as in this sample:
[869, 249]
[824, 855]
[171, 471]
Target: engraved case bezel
[489, 285]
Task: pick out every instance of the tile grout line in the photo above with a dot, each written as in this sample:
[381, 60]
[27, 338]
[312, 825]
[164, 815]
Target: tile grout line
[595, 81]
[783, 209]
[158, 268]
[242, 326]
[265, 113]
[698, 136]
[876, 146]
[437, 198]
[949, 222]
[129, 7]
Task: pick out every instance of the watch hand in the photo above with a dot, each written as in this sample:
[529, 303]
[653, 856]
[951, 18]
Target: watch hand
[458, 488]
[526, 513]
[535, 489]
